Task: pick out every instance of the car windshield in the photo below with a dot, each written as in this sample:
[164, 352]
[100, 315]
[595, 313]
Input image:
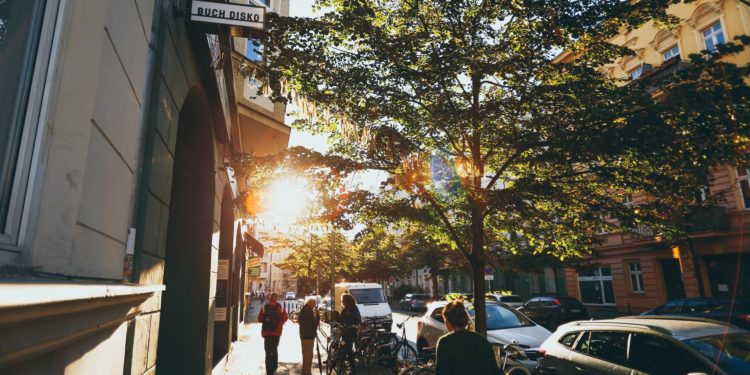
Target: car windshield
[420, 297]
[500, 317]
[511, 299]
[371, 295]
[731, 352]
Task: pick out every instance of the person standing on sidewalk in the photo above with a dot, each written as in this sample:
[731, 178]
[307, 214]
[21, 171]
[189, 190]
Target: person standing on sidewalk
[273, 317]
[351, 319]
[460, 346]
[308, 325]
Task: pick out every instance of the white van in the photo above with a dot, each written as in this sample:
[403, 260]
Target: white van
[370, 298]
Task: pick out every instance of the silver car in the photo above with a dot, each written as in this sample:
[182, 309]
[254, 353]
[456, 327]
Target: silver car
[646, 345]
[511, 300]
[505, 325]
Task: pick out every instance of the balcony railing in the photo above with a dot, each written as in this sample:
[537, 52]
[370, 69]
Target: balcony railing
[714, 218]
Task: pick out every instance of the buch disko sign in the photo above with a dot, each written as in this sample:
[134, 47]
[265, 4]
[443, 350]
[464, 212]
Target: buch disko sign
[228, 14]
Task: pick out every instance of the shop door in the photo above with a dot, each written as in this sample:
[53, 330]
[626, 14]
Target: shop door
[672, 278]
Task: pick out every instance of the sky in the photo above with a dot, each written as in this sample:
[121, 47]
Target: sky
[303, 8]
[371, 180]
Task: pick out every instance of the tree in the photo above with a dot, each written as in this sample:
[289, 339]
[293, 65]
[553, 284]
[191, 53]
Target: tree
[540, 147]
[310, 257]
[378, 254]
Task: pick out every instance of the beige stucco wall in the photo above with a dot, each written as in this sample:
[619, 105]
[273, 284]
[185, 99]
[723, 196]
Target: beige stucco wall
[92, 138]
[649, 41]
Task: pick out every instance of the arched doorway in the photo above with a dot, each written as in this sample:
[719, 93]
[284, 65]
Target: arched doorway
[186, 326]
[223, 302]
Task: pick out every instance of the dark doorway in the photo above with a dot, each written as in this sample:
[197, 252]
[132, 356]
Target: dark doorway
[728, 276]
[186, 329]
[672, 278]
[223, 302]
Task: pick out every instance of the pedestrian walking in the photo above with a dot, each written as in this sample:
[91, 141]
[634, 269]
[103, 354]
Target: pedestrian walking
[273, 316]
[461, 347]
[308, 325]
[351, 319]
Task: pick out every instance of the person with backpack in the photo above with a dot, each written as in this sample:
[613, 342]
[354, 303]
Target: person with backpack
[273, 317]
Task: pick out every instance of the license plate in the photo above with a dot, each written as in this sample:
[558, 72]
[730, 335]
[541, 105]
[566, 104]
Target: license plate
[575, 310]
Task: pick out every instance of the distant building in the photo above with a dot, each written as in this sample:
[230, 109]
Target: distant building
[634, 270]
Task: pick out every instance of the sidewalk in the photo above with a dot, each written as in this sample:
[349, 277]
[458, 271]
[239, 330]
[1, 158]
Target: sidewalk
[247, 356]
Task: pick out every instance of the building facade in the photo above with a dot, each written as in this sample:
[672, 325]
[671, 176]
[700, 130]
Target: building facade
[121, 249]
[636, 270]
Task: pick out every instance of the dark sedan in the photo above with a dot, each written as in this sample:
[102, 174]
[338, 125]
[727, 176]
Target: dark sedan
[553, 311]
[736, 312]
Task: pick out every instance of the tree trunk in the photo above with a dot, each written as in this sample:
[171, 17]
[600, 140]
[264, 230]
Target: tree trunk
[480, 307]
[477, 261]
[696, 266]
[434, 283]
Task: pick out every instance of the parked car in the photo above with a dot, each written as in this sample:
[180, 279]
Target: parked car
[508, 299]
[290, 296]
[718, 309]
[413, 302]
[505, 325]
[324, 309]
[371, 301]
[453, 296]
[553, 311]
[646, 345]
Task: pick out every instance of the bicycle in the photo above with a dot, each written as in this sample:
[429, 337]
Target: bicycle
[425, 366]
[397, 353]
[339, 360]
[510, 359]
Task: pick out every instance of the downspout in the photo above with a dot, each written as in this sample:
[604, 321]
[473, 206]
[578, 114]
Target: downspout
[139, 201]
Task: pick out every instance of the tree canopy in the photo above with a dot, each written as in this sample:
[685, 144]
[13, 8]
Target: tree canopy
[538, 151]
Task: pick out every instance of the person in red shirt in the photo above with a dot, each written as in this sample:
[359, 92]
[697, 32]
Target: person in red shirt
[273, 317]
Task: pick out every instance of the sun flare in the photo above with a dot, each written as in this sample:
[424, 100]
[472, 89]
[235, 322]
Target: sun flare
[287, 199]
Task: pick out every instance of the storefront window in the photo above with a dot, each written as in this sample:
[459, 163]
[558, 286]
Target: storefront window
[20, 26]
[596, 286]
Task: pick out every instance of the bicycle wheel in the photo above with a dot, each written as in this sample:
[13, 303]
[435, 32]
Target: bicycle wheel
[406, 356]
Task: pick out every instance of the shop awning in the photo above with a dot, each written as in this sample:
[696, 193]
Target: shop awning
[254, 245]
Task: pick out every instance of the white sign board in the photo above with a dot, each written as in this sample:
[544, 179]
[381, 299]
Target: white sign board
[228, 14]
[222, 273]
[489, 277]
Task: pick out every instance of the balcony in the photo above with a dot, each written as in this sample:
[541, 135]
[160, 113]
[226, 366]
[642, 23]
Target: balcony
[709, 219]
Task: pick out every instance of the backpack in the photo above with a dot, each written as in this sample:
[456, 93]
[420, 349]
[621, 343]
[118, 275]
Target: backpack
[271, 317]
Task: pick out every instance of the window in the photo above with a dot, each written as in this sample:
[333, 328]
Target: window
[702, 194]
[671, 53]
[569, 339]
[609, 346]
[674, 307]
[637, 72]
[636, 277]
[596, 286]
[700, 306]
[254, 50]
[438, 314]
[713, 36]
[743, 173]
[627, 200]
[22, 46]
[656, 355]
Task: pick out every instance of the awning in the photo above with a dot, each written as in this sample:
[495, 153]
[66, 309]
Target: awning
[254, 245]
